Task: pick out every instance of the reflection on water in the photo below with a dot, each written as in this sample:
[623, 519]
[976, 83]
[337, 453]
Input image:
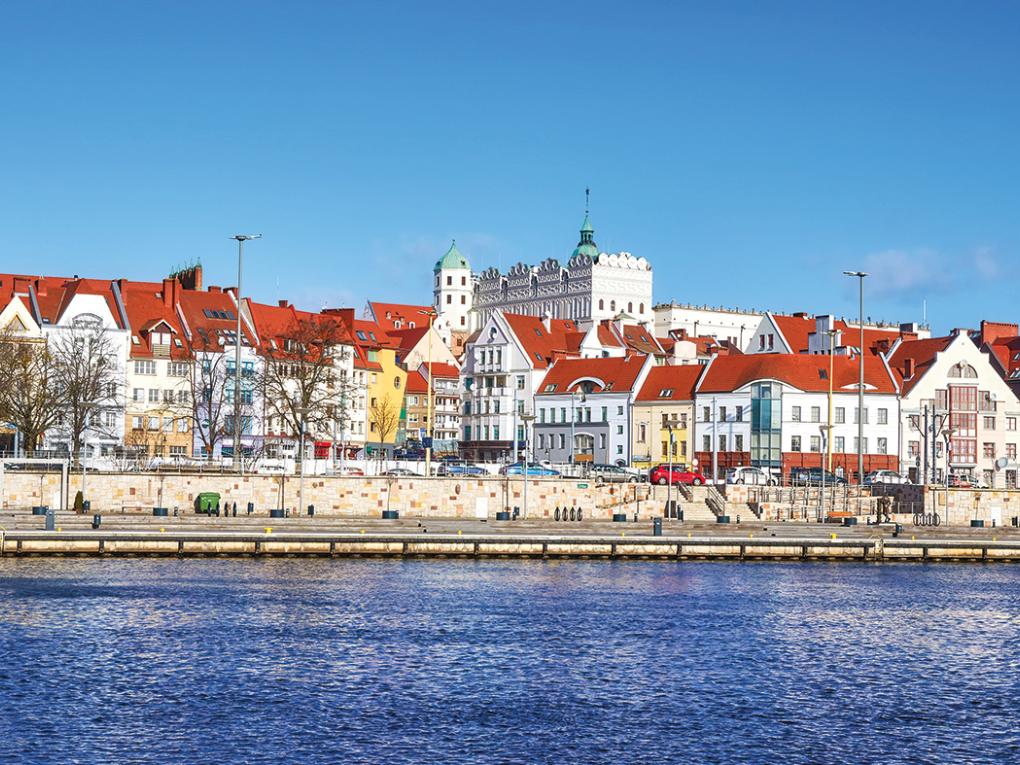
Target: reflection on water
[386, 661]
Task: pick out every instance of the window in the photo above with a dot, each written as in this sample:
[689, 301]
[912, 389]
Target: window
[136, 423]
[816, 414]
[1011, 451]
[883, 416]
[772, 341]
[988, 450]
[563, 441]
[795, 444]
[722, 414]
[147, 367]
[707, 443]
[666, 393]
[816, 443]
[111, 419]
[138, 395]
[988, 423]
[541, 440]
[883, 445]
[153, 395]
[520, 382]
[665, 449]
[495, 432]
[605, 414]
[602, 440]
[619, 411]
[839, 444]
[722, 443]
[706, 414]
[857, 413]
[795, 416]
[619, 430]
[761, 342]
[840, 416]
[178, 369]
[738, 443]
[863, 448]
[1011, 423]
[642, 433]
[738, 414]
[913, 448]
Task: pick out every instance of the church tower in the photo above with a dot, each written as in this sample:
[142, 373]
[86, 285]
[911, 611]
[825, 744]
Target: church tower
[453, 292]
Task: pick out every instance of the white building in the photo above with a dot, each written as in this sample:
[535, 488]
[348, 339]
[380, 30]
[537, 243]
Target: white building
[953, 393]
[730, 324]
[772, 411]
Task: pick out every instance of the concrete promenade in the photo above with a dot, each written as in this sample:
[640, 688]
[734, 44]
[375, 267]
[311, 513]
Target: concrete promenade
[22, 534]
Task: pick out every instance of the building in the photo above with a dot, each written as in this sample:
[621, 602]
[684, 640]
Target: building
[420, 345]
[446, 405]
[1002, 343]
[583, 410]
[772, 411]
[385, 386]
[730, 324]
[503, 366]
[453, 298]
[159, 415]
[953, 394]
[665, 403]
[802, 333]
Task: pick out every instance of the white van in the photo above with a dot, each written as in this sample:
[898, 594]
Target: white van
[750, 475]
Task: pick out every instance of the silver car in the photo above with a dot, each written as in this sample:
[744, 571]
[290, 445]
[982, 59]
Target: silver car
[613, 474]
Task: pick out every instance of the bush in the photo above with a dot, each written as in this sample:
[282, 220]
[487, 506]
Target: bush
[79, 502]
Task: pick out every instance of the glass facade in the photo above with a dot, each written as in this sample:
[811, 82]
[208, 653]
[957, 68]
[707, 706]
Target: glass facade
[766, 425]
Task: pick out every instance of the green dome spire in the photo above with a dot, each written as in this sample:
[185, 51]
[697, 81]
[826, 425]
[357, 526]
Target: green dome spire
[452, 259]
[587, 244]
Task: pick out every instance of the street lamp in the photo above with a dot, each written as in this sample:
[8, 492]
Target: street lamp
[527, 419]
[431, 313]
[241, 239]
[573, 420]
[860, 386]
[823, 430]
[948, 435]
[302, 411]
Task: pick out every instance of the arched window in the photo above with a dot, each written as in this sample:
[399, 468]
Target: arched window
[602, 304]
[612, 305]
[641, 308]
[630, 308]
[962, 370]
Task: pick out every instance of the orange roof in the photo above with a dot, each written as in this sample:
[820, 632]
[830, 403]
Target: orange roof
[542, 346]
[276, 323]
[209, 316]
[406, 339]
[368, 334]
[611, 375]
[922, 352]
[416, 383]
[399, 315]
[726, 374]
[678, 380]
[797, 328]
[440, 369]
[150, 305]
[54, 295]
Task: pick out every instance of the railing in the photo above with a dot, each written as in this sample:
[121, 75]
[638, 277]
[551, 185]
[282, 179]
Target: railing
[715, 501]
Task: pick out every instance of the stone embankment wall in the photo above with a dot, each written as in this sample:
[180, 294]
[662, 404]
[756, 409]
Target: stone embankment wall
[340, 496]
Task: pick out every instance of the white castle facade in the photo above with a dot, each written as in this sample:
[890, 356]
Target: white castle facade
[591, 286]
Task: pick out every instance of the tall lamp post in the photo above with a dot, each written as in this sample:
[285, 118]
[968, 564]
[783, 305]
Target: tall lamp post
[241, 239]
[823, 430]
[431, 313]
[860, 384]
[526, 419]
[301, 465]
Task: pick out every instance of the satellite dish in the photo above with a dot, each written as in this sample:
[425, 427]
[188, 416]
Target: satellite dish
[220, 340]
[1001, 463]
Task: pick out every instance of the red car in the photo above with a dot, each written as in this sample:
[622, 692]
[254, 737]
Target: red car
[681, 474]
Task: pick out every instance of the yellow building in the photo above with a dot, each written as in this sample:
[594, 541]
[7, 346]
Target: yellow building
[665, 402]
[386, 382]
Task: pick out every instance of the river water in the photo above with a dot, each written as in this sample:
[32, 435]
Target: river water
[388, 661]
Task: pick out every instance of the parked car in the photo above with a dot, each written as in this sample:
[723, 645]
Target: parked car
[660, 474]
[459, 468]
[750, 475]
[409, 454]
[533, 470]
[814, 477]
[963, 482]
[883, 476]
[614, 474]
[401, 472]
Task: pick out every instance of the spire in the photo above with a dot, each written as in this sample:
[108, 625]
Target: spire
[587, 244]
[452, 259]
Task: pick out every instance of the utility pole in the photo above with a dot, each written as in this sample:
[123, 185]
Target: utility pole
[431, 313]
[860, 386]
[238, 464]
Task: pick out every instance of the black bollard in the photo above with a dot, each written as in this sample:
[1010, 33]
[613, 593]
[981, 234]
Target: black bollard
[656, 527]
[251, 508]
[235, 509]
[96, 520]
[311, 510]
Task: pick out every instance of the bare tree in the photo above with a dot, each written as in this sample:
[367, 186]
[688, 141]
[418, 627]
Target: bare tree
[30, 398]
[383, 419]
[87, 376]
[301, 383]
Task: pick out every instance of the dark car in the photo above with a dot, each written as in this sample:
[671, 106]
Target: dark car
[459, 468]
[660, 474]
[815, 477]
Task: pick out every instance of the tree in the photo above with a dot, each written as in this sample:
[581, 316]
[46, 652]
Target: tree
[30, 398]
[383, 418]
[84, 368]
[211, 407]
[301, 381]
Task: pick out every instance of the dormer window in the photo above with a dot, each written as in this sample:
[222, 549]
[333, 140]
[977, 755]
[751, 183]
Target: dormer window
[666, 393]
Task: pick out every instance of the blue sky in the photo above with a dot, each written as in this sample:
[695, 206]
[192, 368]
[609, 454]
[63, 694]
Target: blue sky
[751, 151]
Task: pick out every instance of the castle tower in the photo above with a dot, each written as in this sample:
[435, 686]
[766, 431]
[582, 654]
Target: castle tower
[453, 291]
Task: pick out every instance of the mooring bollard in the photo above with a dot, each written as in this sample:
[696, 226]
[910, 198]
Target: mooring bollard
[276, 513]
[235, 509]
[51, 520]
[656, 527]
[251, 508]
[311, 510]
[96, 520]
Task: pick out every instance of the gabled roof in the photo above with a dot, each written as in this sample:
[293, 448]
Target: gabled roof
[609, 375]
[211, 315]
[671, 383]
[441, 370]
[54, 294]
[542, 346]
[416, 383]
[369, 334]
[276, 324]
[797, 328]
[923, 352]
[399, 315]
[405, 340]
[153, 306]
[726, 374]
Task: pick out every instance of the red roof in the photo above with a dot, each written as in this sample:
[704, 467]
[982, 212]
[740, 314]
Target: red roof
[796, 329]
[440, 369]
[611, 375]
[542, 346]
[406, 339]
[209, 316]
[399, 315]
[150, 306]
[368, 334]
[416, 383]
[726, 374]
[678, 380]
[54, 295]
[922, 352]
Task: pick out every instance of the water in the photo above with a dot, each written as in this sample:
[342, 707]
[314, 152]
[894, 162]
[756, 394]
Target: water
[386, 661]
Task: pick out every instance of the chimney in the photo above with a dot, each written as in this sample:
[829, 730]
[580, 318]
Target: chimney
[908, 369]
[993, 330]
[191, 278]
[823, 323]
[800, 315]
[214, 289]
[547, 321]
[169, 292]
[283, 304]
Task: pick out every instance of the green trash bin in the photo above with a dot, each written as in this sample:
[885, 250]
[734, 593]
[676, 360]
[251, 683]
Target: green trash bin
[206, 502]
